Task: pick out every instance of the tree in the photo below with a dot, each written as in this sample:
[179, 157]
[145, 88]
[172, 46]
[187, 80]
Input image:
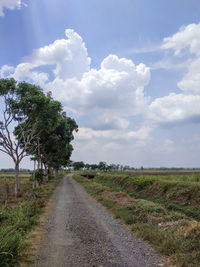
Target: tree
[78, 165]
[93, 167]
[12, 115]
[102, 166]
[54, 130]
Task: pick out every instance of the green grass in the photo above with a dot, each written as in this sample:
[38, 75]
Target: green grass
[176, 192]
[17, 221]
[161, 209]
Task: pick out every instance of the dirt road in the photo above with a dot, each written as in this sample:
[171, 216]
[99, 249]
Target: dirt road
[79, 232]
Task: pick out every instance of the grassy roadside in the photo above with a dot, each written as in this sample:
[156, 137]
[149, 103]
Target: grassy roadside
[18, 219]
[162, 210]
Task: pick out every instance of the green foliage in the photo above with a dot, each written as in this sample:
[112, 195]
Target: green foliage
[39, 175]
[11, 244]
[78, 165]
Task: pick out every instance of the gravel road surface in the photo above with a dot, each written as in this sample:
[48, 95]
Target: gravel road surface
[79, 232]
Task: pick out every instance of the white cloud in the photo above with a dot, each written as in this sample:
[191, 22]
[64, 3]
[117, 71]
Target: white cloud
[187, 37]
[24, 71]
[112, 93]
[174, 108]
[109, 122]
[183, 107]
[68, 55]
[190, 83]
[118, 86]
[6, 71]
[9, 4]
[114, 135]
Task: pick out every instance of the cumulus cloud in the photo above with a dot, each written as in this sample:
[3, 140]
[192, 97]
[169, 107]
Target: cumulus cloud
[118, 86]
[9, 4]
[110, 95]
[190, 83]
[68, 55]
[183, 107]
[24, 71]
[186, 37]
[68, 58]
[174, 108]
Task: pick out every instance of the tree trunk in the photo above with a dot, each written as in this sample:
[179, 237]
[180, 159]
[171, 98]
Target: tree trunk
[34, 183]
[7, 193]
[46, 172]
[17, 179]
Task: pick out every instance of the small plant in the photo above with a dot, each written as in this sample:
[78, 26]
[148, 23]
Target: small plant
[38, 176]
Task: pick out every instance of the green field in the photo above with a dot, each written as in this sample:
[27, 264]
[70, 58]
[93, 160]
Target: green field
[163, 209]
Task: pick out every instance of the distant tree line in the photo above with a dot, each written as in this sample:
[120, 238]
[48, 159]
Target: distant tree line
[11, 170]
[33, 123]
[101, 166]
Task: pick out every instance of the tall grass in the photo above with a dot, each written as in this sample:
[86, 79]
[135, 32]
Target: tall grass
[11, 245]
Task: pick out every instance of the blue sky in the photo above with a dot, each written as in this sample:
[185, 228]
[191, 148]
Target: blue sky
[127, 70]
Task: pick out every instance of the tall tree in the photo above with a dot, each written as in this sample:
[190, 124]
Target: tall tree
[12, 116]
[54, 130]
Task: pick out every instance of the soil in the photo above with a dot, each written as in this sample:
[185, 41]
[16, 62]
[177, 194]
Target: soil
[79, 232]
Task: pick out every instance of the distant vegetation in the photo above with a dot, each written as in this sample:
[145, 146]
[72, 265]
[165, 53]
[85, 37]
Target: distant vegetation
[163, 209]
[103, 166]
[13, 170]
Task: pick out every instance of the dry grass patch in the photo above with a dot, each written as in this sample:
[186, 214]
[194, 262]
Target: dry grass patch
[119, 197]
